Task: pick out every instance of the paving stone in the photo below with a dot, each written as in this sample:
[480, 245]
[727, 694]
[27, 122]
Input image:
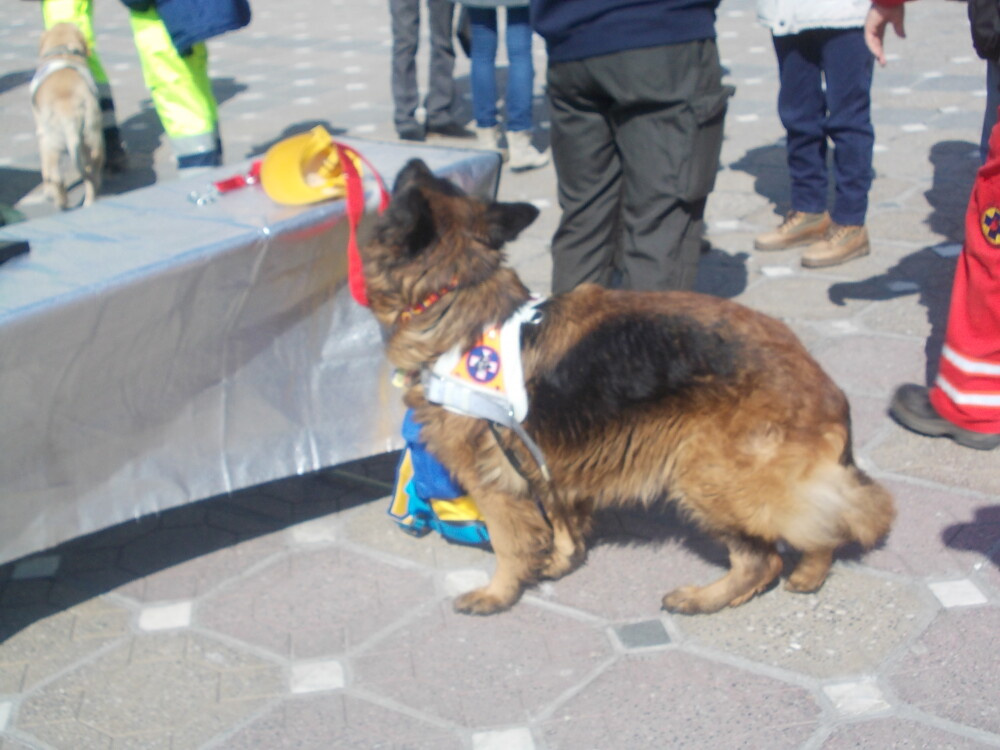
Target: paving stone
[645, 634]
[673, 699]
[315, 604]
[847, 628]
[957, 593]
[937, 460]
[120, 697]
[487, 671]
[897, 734]
[338, 721]
[504, 739]
[310, 677]
[36, 649]
[857, 698]
[872, 365]
[948, 672]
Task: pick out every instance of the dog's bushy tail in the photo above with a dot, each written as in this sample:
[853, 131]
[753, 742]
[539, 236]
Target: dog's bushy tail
[839, 504]
[870, 510]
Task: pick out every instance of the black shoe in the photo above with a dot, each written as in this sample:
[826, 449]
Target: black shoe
[115, 157]
[410, 132]
[449, 129]
[911, 407]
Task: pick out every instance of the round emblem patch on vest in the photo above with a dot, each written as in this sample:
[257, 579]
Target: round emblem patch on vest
[482, 363]
[990, 223]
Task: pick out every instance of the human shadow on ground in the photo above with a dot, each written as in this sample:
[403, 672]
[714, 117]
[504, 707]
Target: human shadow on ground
[927, 272]
[17, 183]
[143, 133]
[981, 535]
[14, 79]
[768, 166]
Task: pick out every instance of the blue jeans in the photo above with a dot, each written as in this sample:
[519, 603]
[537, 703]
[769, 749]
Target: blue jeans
[520, 73]
[841, 114]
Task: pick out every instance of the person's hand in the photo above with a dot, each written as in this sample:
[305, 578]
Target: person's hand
[880, 16]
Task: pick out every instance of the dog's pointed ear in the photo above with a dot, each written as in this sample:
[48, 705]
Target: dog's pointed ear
[412, 172]
[507, 220]
[408, 223]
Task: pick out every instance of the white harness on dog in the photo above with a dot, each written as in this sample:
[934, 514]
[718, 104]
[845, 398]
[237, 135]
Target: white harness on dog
[48, 67]
[487, 381]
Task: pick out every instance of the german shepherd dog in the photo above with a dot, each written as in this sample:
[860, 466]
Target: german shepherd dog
[633, 397]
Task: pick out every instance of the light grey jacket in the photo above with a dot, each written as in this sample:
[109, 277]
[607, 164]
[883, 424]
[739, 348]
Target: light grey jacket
[784, 17]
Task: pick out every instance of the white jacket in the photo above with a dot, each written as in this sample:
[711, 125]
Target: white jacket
[784, 17]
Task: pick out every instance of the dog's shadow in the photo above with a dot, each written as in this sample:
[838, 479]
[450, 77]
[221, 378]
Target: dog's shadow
[658, 524]
[663, 523]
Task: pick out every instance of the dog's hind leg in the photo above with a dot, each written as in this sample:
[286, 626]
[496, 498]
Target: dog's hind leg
[521, 542]
[811, 571]
[55, 190]
[754, 564]
[569, 530]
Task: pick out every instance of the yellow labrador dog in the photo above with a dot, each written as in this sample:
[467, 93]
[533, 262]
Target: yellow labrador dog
[67, 114]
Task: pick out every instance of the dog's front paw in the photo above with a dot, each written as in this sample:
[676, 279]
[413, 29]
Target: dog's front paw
[686, 600]
[482, 602]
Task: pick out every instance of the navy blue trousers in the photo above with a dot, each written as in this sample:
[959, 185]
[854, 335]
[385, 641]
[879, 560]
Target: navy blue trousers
[815, 115]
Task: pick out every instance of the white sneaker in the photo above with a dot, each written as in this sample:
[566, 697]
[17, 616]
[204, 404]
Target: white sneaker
[523, 155]
[492, 138]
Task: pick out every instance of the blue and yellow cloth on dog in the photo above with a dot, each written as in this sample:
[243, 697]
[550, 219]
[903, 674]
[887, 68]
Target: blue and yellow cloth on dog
[426, 498]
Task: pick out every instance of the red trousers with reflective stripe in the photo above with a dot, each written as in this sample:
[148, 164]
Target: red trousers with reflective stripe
[967, 390]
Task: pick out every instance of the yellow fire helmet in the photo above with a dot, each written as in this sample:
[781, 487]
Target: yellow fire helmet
[306, 168]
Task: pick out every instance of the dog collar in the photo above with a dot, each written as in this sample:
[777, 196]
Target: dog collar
[64, 49]
[428, 301]
[48, 67]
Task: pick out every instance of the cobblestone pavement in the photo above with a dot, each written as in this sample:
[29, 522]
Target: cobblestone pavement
[295, 615]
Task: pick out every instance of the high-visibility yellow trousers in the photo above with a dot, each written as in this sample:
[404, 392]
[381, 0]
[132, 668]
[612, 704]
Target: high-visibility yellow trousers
[181, 91]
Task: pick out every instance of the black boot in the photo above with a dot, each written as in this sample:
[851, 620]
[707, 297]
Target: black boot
[115, 158]
[911, 407]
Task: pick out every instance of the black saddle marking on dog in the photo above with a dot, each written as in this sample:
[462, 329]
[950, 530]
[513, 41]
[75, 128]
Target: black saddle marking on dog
[627, 363]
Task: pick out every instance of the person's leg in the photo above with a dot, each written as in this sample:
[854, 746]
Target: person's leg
[181, 91]
[670, 157]
[482, 72]
[405, 15]
[964, 402]
[520, 71]
[520, 84]
[441, 85]
[81, 13]
[802, 110]
[992, 103]
[588, 177]
[848, 66]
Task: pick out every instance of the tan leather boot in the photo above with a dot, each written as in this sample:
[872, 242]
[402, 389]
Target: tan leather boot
[798, 228]
[842, 243]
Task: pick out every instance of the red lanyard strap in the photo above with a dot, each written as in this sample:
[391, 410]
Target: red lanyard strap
[354, 198]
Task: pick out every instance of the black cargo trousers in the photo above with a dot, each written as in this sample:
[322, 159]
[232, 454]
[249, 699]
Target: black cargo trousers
[636, 137]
